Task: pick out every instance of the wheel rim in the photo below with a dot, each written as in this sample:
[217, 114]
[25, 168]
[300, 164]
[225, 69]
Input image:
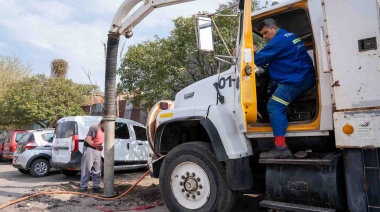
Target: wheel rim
[40, 168]
[190, 185]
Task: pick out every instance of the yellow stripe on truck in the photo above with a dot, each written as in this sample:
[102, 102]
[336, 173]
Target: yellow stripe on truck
[166, 115]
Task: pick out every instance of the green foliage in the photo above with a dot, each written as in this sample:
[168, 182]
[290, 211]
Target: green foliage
[158, 69]
[59, 68]
[42, 100]
[12, 70]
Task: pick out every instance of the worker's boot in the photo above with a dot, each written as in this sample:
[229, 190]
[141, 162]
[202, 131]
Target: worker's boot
[281, 150]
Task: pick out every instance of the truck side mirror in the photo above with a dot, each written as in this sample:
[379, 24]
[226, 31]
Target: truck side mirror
[204, 34]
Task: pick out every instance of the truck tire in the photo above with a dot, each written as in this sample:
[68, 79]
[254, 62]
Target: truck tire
[24, 171]
[69, 173]
[40, 168]
[192, 179]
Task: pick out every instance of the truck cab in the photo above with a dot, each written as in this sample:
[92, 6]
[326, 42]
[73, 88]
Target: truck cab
[213, 133]
[206, 144]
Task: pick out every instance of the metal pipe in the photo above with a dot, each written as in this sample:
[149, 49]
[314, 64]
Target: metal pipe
[109, 115]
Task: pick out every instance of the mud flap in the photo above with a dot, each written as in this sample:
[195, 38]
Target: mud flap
[156, 166]
[239, 175]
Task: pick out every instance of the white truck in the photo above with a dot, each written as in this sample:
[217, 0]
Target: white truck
[207, 143]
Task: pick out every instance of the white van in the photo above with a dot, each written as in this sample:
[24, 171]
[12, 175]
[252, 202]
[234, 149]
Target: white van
[131, 145]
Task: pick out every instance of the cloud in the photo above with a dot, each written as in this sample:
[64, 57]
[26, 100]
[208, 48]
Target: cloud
[42, 30]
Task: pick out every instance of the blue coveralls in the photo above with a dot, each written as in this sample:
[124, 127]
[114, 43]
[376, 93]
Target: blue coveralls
[292, 70]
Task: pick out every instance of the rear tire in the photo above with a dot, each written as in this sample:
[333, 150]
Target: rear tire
[192, 179]
[40, 168]
[69, 173]
[24, 171]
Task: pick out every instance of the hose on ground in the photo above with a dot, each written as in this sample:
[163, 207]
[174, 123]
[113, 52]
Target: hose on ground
[77, 193]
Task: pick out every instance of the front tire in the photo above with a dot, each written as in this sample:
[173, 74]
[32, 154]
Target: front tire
[40, 168]
[192, 179]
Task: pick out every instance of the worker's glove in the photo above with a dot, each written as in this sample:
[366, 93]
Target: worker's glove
[259, 70]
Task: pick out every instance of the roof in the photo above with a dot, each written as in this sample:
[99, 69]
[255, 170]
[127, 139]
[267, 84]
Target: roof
[97, 118]
[269, 8]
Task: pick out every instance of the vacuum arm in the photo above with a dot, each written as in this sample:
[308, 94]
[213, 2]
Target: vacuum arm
[123, 25]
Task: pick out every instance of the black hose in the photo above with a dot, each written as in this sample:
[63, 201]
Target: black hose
[110, 113]
[110, 80]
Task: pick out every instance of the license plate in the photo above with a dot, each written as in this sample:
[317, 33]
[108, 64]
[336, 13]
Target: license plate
[15, 159]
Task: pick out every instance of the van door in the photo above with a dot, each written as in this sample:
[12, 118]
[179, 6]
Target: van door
[141, 149]
[64, 134]
[123, 144]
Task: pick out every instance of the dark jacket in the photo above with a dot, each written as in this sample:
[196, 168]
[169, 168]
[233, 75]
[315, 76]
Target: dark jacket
[289, 62]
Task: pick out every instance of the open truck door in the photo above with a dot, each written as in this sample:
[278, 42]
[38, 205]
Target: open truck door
[245, 93]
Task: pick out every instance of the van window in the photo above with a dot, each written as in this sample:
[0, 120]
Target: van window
[140, 133]
[121, 130]
[47, 137]
[26, 137]
[19, 135]
[66, 129]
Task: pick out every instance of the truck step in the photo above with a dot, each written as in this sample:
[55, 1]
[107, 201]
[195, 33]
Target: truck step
[313, 159]
[292, 207]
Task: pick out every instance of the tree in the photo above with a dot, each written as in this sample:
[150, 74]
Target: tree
[59, 68]
[42, 100]
[12, 70]
[158, 69]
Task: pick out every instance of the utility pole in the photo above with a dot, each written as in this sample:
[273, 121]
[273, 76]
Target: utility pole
[109, 115]
[122, 24]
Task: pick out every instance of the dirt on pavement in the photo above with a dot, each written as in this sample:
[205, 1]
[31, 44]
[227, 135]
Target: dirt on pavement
[144, 194]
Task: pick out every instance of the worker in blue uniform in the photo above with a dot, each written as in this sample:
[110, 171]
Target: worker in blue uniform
[292, 70]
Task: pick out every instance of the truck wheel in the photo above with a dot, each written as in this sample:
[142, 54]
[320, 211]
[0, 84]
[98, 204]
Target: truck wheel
[40, 168]
[69, 173]
[192, 179]
[24, 171]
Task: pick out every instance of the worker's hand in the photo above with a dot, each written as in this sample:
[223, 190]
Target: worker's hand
[259, 70]
[255, 48]
[98, 147]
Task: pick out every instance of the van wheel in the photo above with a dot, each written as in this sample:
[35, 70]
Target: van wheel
[192, 179]
[69, 173]
[24, 171]
[40, 168]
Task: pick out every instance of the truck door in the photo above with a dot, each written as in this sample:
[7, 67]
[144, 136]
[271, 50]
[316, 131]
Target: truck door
[245, 93]
[352, 35]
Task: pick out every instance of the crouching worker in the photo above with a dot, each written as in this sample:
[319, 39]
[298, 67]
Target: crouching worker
[292, 70]
[92, 159]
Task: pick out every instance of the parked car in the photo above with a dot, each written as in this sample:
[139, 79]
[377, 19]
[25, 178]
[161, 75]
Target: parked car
[33, 152]
[131, 145]
[2, 159]
[10, 143]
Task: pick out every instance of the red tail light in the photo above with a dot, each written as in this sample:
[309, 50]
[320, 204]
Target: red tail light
[75, 144]
[31, 144]
[1, 147]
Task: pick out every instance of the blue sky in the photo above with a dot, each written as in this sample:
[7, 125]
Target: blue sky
[39, 31]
